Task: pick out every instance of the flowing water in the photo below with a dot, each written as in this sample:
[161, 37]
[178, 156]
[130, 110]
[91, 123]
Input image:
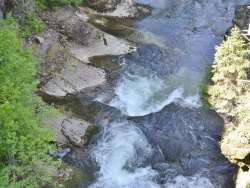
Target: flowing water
[159, 137]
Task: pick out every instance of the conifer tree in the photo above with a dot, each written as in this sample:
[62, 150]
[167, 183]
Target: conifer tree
[229, 74]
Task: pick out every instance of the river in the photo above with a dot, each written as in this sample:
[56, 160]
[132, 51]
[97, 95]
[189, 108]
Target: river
[153, 131]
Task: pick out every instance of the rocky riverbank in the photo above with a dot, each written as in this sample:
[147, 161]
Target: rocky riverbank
[66, 46]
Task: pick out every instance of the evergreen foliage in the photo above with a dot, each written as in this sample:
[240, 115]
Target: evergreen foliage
[31, 25]
[228, 88]
[24, 140]
[230, 65]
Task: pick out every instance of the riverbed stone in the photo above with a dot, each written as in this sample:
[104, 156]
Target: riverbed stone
[74, 77]
[72, 131]
[106, 45]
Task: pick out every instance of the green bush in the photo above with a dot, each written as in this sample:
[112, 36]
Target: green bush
[55, 3]
[24, 138]
[31, 25]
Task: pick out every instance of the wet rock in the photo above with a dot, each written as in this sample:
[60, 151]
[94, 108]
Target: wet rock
[117, 8]
[78, 32]
[189, 139]
[63, 152]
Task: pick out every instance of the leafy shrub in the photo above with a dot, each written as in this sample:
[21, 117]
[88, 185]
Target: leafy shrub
[31, 25]
[24, 138]
[55, 3]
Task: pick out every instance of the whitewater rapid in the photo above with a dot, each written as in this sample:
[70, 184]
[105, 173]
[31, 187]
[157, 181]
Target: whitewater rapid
[140, 91]
[122, 153]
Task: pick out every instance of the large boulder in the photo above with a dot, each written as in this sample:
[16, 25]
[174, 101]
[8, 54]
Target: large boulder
[72, 132]
[74, 77]
[188, 139]
[71, 25]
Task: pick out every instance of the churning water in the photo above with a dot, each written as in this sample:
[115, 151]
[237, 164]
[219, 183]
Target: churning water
[140, 92]
[121, 154]
[190, 30]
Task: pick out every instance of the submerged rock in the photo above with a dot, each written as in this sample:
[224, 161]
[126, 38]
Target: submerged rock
[188, 138]
[61, 153]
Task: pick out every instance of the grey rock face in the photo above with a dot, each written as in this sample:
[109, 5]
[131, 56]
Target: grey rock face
[66, 22]
[76, 76]
[1, 14]
[72, 131]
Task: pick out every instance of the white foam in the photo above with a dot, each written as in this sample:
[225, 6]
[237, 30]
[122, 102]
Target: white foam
[189, 182]
[120, 154]
[140, 92]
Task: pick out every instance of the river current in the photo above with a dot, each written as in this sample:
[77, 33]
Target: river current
[153, 133]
